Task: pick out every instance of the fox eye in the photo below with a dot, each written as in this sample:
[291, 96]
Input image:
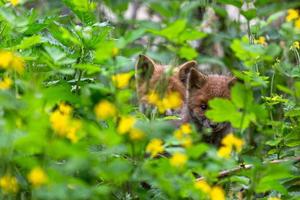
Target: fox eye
[203, 106]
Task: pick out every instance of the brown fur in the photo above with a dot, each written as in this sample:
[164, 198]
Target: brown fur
[201, 89]
[152, 76]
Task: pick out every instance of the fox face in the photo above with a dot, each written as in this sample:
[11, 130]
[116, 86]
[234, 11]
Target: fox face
[201, 89]
[151, 76]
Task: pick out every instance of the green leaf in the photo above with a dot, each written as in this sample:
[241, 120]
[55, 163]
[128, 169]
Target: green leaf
[241, 97]
[249, 14]
[89, 68]
[172, 31]
[104, 51]
[29, 42]
[83, 9]
[188, 53]
[237, 3]
[196, 151]
[191, 35]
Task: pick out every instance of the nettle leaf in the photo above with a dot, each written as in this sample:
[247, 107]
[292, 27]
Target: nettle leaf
[89, 68]
[29, 42]
[104, 51]
[83, 10]
[64, 36]
[58, 55]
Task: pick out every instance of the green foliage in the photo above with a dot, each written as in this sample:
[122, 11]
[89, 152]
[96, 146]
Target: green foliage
[59, 60]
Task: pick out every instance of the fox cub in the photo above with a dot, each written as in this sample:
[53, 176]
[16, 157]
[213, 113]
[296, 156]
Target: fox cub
[151, 76]
[195, 89]
[202, 88]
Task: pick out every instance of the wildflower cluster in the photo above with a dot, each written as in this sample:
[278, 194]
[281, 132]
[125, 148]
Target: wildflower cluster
[10, 61]
[37, 177]
[293, 15]
[14, 2]
[63, 124]
[5, 83]
[229, 143]
[155, 147]
[171, 100]
[121, 80]
[105, 110]
[9, 184]
[183, 134]
[178, 159]
[214, 192]
[261, 40]
[126, 125]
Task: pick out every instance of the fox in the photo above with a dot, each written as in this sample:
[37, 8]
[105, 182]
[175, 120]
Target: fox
[201, 88]
[151, 76]
[196, 89]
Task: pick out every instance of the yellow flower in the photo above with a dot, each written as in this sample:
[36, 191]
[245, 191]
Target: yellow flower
[121, 80]
[37, 177]
[5, 83]
[292, 14]
[203, 186]
[73, 128]
[155, 147]
[261, 40]
[9, 184]
[65, 108]
[173, 100]
[217, 193]
[153, 97]
[178, 134]
[126, 123]
[297, 23]
[178, 159]
[63, 124]
[186, 128]
[14, 2]
[10, 60]
[60, 122]
[229, 142]
[232, 141]
[136, 134]
[187, 142]
[6, 58]
[274, 198]
[18, 64]
[105, 110]
[161, 105]
[224, 152]
[115, 51]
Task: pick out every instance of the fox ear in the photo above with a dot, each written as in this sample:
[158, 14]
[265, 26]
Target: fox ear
[232, 81]
[185, 69]
[144, 67]
[196, 79]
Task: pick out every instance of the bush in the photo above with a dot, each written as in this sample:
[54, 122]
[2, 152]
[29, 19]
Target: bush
[70, 127]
